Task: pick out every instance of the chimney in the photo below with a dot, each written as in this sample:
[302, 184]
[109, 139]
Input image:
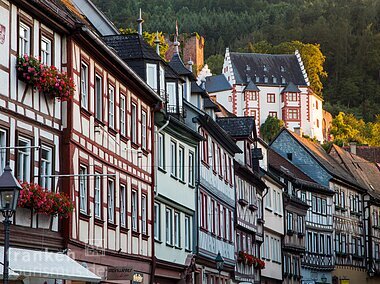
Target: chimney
[353, 147]
[140, 21]
[157, 42]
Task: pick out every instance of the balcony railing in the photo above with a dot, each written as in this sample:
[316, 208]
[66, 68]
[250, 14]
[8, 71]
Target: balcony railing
[176, 110]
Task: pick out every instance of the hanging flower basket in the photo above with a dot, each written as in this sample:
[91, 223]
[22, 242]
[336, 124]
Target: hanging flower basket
[29, 69]
[42, 201]
[250, 260]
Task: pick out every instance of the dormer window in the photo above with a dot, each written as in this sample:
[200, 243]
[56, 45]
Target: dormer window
[274, 80]
[162, 81]
[283, 81]
[265, 68]
[151, 75]
[282, 68]
[248, 68]
[257, 79]
[265, 79]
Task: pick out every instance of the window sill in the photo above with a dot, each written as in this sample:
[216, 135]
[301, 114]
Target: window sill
[111, 226]
[124, 138]
[135, 234]
[162, 170]
[145, 152]
[124, 229]
[112, 131]
[173, 176]
[188, 250]
[85, 112]
[268, 209]
[243, 202]
[98, 221]
[145, 237]
[158, 241]
[179, 248]
[203, 230]
[191, 186]
[182, 181]
[206, 165]
[84, 216]
[98, 122]
[134, 145]
[169, 245]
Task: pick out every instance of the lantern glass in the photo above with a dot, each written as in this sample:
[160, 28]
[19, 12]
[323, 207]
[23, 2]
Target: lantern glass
[8, 200]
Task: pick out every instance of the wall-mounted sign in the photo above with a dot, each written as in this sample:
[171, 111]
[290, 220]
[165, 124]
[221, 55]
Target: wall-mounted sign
[138, 278]
[120, 273]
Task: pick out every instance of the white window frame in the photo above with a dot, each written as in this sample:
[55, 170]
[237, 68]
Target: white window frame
[97, 196]
[83, 189]
[177, 229]
[173, 158]
[172, 94]
[111, 106]
[84, 85]
[191, 168]
[169, 226]
[123, 125]
[98, 97]
[161, 150]
[181, 163]
[46, 167]
[24, 159]
[157, 221]
[123, 206]
[111, 200]
[187, 232]
[134, 123]
[3, 150]
[151, 75]
[162, 81]
[24, 39]
[143, 214]
[134, 200]
[46, 53]
[144, 120]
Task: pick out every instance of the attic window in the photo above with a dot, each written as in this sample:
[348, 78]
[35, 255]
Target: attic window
[283, 81]
[257, 79]
[248, 68]
[265, 79]
[282, 69]
[265, 68]
[274, 80]
[290, 156]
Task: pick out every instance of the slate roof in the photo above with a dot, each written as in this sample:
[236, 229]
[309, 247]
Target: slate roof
[217, 83]
[291, 88]
[252, 87]
[241, 126]
[277, 65]
[366, 173]
[370, 153]
[131, 46]
[208, 103]
[223, 111]
[170, 73]
[324, 159]
[178, 66]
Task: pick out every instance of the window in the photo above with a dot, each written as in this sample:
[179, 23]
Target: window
[123, 128]
[213, 216]
[271, 98]
[253, 96]
[293, 113]
[328, 245]
[157, 221]
[24, 40]
[213, 156]
[191, 168]
[268, 199]
[187, 233]
[111, 106]
[171, 89]
[300, 225]
[169, 227]
[219, 159]
[162, 81]
[143, 214]
[3, 150]
[204, 212]
[283, 80]
[111, 200]
[292, 97]
[97, 199]
[181, 162]
[177, 229]
[83, 189]
[273, 113]
[173, 158]
[161, 150]
[343, 243]
[290, 221]
[46, 167]
[45, 51]
[98, 98]
[134, 123]
[84, 86]
[265, 79]
[143, 129]
[24, 160]
[274, 80]
[151, 75]
[134, 211]
[316, 104]
[123, 207]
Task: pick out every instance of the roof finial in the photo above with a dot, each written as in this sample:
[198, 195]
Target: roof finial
[140, 21]
[157, 42]
[190, 62]
[176, 43]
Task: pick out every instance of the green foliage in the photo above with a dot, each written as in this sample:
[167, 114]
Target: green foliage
[270, 128]
[215, 63]
[347, 33]
[311, 55]
[150, 38]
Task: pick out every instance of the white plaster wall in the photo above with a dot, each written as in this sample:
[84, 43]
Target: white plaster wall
[224, 98]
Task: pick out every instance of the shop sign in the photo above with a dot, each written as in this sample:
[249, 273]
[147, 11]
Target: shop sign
[138, 278]
[120, 273]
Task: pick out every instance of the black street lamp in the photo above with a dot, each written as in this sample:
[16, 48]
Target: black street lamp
[219, 262]
[9, 192]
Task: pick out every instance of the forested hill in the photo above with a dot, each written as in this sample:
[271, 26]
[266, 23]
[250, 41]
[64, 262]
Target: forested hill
[348, 32]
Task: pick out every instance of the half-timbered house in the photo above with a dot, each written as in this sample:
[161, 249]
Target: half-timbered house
[295, 209]
[248, 191]
[31, 137]
[109, 146]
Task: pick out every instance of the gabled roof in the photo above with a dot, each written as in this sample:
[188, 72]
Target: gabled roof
[325, 160]
[370, 153]
[208, 103]
[277, 65]
[366, 173]
[170, 73]
[217, 83]
[178, 66]
[131, 46]
[223, 111]
[252, 87]
[291, 88]
[241, 126]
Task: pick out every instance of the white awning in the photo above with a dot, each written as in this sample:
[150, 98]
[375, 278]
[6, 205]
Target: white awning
[42, 264]
[12, 275]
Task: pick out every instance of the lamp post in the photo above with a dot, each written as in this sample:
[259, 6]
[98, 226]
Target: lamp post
[9, 192]
[219, 263]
